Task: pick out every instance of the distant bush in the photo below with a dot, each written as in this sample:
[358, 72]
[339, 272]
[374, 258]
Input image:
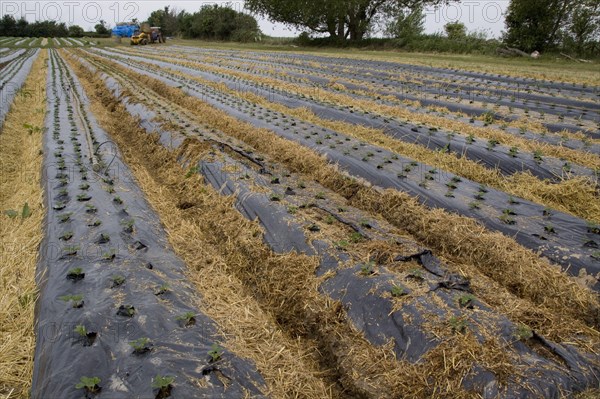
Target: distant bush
[21, 28]
[475, 43]
[214, 22]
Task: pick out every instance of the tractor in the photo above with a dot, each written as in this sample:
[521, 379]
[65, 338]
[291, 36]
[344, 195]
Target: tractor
[147, 34]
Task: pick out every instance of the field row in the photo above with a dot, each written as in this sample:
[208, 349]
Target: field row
[44, 42]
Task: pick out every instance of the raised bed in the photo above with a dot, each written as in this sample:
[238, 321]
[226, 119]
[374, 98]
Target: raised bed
[566, 240]
[369, 290]
[116, 317]
[12, 78]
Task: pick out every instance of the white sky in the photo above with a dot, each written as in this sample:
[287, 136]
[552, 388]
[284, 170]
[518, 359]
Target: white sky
[481, 15]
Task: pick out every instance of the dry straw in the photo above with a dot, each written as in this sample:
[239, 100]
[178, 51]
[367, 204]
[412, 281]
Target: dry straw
[20, 173]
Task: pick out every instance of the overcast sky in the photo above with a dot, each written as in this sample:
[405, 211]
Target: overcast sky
[482, 15]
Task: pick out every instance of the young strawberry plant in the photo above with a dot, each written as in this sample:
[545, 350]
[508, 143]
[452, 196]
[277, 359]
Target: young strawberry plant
[188, 319]
[76, 274]
[141, 345]
[76, 300]
[215, 353]
[163, 385]
[90, 384]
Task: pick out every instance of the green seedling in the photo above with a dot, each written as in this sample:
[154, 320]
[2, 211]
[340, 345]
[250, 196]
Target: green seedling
[342, 244]
[329, 219]
[163, 289]
[81, 330]
[84, 186]
[513, 151]
[292, 210]
[367, 269]
[31, 128]
[104, 238]
[75, 274]
[164, 384]
[275, 197]
[25, 212]
[126, 310]
[474, 205]
[593, 227]
[397, 291]
[118, 280]
[320, 195]
[70, 250]
[95, 223]
[416, 274]
[128, 225]
[141, 345]
[523, 333]
[215, 353]
[90, 384]
[65, 217]
[470, 139]
[458, 324]
[466, 301]
[77, 300]
[491, 144]
[507, 219]
[537, 156]
[118, 200]
[549, 229]
[110, 255]
[188, 318]
[66, 236]
[356, 237]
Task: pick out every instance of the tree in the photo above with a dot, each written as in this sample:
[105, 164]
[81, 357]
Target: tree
[406, 23]
[167, 19]
[76, 31]
[214, 22]
[101, 28]
[535, 24]
[341, 19]
[584, 26]
[8, 26]
[455, 30]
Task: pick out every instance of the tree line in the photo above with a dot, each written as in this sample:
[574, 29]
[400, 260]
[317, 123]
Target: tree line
[542, 25]
[11, 27]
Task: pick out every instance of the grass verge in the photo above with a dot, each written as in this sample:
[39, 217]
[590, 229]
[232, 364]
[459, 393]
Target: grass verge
[20, 184]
